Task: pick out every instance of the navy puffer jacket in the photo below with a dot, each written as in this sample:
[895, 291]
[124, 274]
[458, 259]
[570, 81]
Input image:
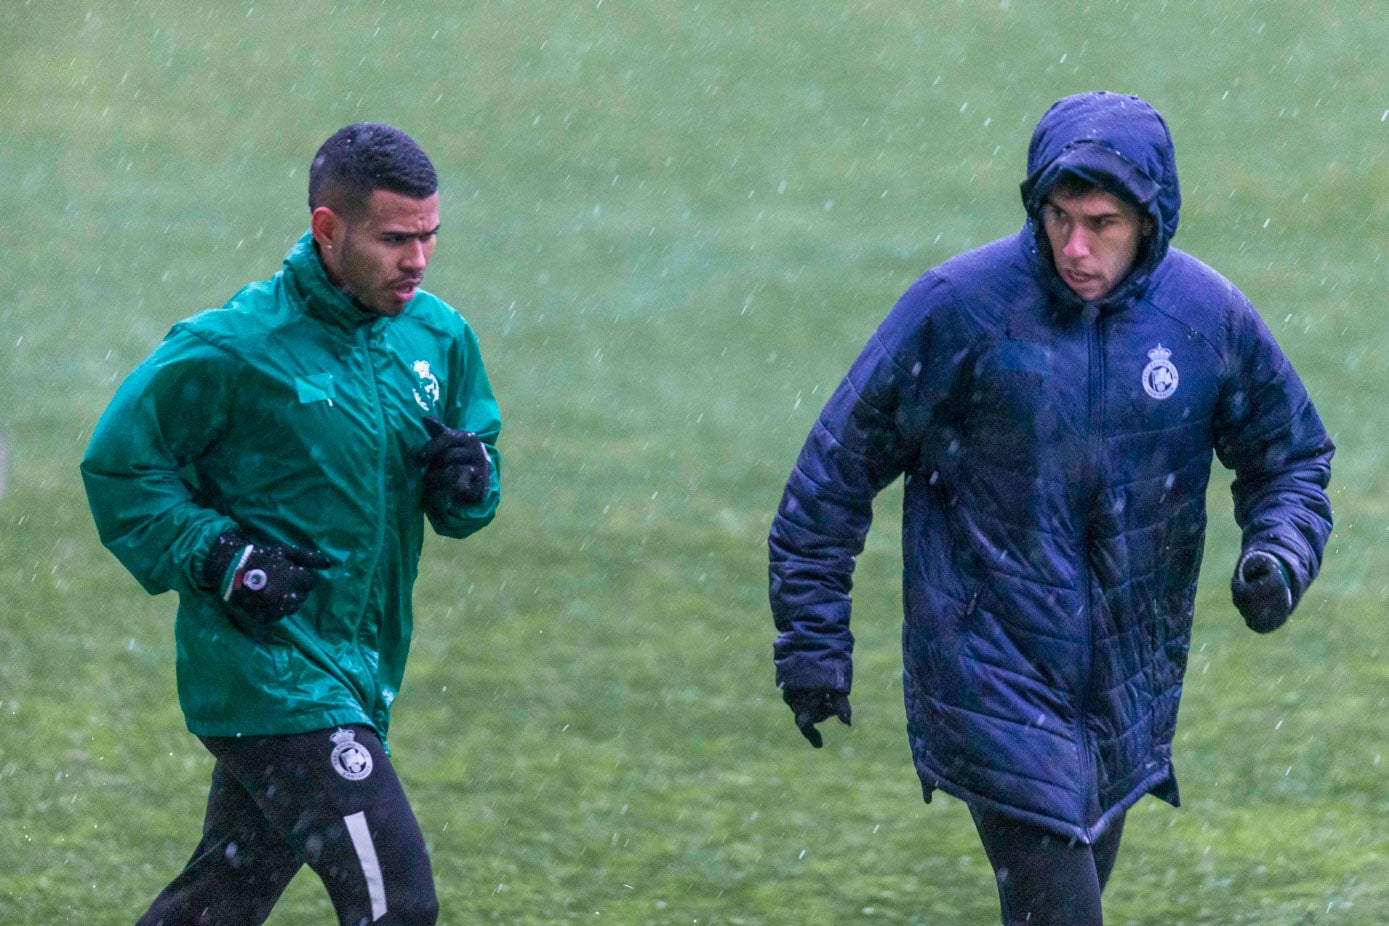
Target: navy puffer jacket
[1056, 456]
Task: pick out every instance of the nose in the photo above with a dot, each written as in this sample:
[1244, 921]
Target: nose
[415, 256]
[1077, 242]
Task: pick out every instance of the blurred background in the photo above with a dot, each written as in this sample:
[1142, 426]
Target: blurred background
[673, 226]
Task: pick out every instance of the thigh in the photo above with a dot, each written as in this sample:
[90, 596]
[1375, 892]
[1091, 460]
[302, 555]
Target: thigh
[1107, 850]
[1043, 879]
[336, 799]
[237, 872]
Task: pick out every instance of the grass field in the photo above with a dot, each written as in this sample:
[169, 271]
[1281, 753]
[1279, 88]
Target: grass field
[673, 225]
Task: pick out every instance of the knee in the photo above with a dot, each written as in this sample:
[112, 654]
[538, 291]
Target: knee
[424, 911]
[418, 907]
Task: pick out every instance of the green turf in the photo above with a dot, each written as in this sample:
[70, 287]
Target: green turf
[673, 225]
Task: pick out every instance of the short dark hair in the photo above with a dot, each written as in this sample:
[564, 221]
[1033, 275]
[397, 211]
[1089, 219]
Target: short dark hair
[359, 159]
[1070, 183]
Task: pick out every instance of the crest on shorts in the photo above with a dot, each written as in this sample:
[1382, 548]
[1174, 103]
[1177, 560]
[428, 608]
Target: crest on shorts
[350, 758]
[428, 385]
[1160, 376]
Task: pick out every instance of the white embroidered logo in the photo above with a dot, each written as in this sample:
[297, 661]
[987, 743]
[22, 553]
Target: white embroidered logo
[1160, 376]
[429, 383]
[350, 758]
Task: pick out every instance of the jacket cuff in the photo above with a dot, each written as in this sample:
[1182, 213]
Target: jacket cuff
[198, 562]
[799, 671]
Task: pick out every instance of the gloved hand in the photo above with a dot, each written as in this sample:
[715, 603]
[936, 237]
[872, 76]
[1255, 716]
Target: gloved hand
[455, 463]
[812, 705]
[261, 582]
[1262, 591]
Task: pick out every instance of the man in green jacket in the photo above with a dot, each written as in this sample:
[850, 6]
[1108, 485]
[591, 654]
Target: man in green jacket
[273, 461]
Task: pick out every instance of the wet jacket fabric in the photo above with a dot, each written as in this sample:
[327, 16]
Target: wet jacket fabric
[1056, 455]
[295, 415]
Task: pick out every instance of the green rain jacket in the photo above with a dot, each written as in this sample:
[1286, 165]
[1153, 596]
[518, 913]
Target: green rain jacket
[296, 416]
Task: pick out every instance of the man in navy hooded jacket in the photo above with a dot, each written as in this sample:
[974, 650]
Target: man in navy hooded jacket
[1054, 400]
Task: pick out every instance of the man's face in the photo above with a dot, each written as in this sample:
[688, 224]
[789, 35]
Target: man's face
[378, 258]
[1094, 239]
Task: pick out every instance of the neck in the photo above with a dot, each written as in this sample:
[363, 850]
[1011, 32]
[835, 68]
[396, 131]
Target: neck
[328, 262]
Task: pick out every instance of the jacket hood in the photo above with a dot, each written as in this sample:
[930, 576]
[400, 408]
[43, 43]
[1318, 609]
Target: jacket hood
[1121, 144]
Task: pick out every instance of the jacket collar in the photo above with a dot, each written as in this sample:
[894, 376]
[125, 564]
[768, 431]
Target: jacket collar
[303, 270]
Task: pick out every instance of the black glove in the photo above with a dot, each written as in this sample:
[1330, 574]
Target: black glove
[455, 463]
[1261, 591]
[812, 705]
[261, 582]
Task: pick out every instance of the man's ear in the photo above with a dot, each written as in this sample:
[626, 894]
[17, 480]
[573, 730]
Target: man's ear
[327, 227]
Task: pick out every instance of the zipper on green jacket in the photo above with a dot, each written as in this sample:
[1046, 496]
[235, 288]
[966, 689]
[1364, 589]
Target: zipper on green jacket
[381, 453]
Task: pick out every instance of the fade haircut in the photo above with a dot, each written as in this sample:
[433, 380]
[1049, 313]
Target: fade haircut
[362, 158]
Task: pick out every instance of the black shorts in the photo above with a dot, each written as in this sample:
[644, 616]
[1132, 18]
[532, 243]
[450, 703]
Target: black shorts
[328, 799]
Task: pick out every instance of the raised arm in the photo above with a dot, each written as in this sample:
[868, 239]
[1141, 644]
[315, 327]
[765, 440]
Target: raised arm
[470, 407]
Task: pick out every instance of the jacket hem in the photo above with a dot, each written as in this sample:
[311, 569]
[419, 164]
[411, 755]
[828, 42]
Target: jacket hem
[932, 780]
[282, 725]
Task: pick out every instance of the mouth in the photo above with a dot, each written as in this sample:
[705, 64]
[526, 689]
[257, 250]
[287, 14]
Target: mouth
[404, 290]
[1076, 278]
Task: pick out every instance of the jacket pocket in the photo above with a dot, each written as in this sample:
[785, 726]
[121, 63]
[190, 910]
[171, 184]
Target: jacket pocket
[268, 643]
[964, 622]
[278, 655]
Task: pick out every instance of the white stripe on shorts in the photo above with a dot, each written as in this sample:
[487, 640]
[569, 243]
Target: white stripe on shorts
[371, 867]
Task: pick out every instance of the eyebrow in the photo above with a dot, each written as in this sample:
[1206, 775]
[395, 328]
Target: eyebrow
[393, 233]
[1088, 215]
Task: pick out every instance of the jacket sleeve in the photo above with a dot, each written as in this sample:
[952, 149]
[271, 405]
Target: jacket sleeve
[162, 418]
[1268, 432]
[859, 444]
[471, 407]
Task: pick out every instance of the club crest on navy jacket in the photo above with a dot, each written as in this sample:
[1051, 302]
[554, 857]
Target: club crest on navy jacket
[1056, 455]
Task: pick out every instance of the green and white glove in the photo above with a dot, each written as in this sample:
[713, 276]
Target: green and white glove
[261, 582]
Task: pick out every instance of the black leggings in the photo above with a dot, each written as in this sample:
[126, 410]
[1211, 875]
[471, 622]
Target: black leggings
[1045, 879]
[328, 799]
